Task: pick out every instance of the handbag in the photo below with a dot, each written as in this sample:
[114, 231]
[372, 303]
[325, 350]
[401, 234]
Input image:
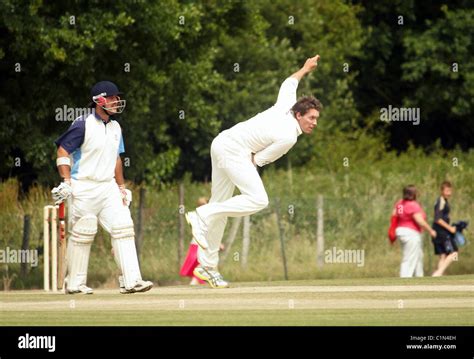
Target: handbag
[391, 231]
[459, 239]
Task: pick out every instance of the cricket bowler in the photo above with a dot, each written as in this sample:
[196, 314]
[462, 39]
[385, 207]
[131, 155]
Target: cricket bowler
[97, 186]
[235, 153]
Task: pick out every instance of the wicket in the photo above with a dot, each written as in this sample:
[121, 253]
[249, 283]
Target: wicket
[50, 226]
[51, 215]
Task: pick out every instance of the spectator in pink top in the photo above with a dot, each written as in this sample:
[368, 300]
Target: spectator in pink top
[411, 222]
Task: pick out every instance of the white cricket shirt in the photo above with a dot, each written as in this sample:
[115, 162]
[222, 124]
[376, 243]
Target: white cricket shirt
[270, 134]
[94, 146]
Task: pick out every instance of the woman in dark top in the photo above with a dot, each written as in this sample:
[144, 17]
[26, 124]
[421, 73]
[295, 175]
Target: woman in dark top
[444, 244]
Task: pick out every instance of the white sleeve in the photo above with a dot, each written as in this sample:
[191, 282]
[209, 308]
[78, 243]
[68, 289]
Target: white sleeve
[287, 94]
[273, 152]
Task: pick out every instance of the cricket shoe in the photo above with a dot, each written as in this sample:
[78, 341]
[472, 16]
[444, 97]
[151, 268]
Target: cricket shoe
[199, 229]
[82, 289]
[140, 286]
[211, 276]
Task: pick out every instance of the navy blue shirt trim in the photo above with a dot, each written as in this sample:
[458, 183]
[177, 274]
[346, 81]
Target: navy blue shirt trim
[73, 138]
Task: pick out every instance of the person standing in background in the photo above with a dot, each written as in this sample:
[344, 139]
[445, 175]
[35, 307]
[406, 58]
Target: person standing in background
[191, 261]
[411, 222]
[444, 245]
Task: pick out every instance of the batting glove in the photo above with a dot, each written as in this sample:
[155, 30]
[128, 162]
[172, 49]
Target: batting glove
[61, 192]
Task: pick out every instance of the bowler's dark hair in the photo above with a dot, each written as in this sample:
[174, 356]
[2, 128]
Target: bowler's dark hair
[409, 193]
[305, 103]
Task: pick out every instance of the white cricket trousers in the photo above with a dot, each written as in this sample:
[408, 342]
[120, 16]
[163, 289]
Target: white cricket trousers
[412, 252]
[102, 199]
[231, 167]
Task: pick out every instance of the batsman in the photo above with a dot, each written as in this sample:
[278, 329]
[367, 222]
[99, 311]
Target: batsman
[235, 154]
[94, 178]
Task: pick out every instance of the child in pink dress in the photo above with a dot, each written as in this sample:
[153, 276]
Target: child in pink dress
[191, 260]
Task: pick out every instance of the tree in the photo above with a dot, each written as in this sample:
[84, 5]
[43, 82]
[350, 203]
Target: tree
[188, 70]
[440, 68]
[407, 44]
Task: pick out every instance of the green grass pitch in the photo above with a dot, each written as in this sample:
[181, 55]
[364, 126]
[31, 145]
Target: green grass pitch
[373, 301]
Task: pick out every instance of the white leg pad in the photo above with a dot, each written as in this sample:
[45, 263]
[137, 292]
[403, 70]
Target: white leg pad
[78, 250]
[123, 242]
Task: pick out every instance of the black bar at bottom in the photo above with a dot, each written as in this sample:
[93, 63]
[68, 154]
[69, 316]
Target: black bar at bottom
[406, 342]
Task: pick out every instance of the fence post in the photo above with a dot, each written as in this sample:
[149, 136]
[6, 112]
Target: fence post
[141, 209]
[282, 238]
[181, 224]
[25, 243]
[320, 232]
[246, 241]
[290, 173]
